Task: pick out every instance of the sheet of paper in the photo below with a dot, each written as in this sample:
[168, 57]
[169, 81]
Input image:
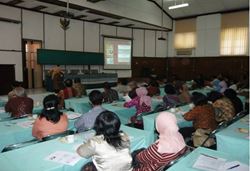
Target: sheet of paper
[64, 157]
[234, 166]
[26, 124]
[73, 115]
[209, 163]
[126, 98]
[2, 110]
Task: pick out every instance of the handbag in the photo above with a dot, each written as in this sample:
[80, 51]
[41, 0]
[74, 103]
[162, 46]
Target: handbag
[200, 135]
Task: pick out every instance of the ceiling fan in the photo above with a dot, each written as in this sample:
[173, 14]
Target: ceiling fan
[162, 38]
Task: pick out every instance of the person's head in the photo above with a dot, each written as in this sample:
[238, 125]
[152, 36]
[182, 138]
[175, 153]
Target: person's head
[181, 86]
[199, 99]
[154, 83]
[170, 140]
[169, 89]
[106, 86]
[213, 96]
[16, 84]
[68, 83]
[230, 93]
[77, 80]
[141, 91]
[132, 85]
[20, 92]
[108, 124]
[220, 77]
[50, 108]
[96, 97]
[58, 65]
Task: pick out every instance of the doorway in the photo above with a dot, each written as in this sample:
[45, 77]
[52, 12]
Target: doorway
[32, 72]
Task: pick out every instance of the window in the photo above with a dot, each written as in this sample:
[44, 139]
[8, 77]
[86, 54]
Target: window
[185, 40]
[185, 34]
[234, 41]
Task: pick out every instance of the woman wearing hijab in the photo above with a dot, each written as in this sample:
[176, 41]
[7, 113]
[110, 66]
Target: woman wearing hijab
[142, 103]
[168, 147]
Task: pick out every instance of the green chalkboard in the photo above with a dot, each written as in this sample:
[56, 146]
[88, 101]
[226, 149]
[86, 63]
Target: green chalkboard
[60, 57]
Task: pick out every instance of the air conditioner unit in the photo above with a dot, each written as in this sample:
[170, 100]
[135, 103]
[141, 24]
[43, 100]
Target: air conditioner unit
[184, 52]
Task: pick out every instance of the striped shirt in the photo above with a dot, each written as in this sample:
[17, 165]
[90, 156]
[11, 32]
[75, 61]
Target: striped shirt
[151, 160]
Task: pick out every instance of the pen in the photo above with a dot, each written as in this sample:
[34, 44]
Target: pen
[233, 167]
[208, 156]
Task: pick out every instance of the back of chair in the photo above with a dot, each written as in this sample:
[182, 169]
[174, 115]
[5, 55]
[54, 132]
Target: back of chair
[51, 137]
[19, 145]
[185, 153]
[237, 117]
[221, 126]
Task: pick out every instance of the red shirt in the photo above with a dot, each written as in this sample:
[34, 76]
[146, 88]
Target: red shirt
[19, 106]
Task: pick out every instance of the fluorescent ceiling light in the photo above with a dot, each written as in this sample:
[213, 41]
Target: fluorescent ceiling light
[178, 6]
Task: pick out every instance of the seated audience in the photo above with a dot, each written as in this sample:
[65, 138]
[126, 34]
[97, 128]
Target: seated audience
[202, 115]
[222, 84]
[199, 81]
[14, 85]
[79, 88]
[109, 148]
[20, 104]
[132, 86]
[122, 87]
[216, 84]
[87, 120]
[57, 77]
[109, 94]
[67, 92]
[51, 121]
[168, 147]
[184, 95]
[153, 88]
[237, 103]
[223, 107]
[171, 98]
[142, 103]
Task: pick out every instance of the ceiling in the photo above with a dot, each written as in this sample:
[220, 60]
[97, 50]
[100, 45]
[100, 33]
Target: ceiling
[200, 7]
[56, 7]
[195, 8]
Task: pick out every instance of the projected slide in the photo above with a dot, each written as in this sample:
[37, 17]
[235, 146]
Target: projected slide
[117, 53]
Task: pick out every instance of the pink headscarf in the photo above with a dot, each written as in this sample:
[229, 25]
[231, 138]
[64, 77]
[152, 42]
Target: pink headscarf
[170, 140]
[142, 93]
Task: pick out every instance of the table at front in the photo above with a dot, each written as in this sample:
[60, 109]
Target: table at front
[149, 121]
[230, 140]
[187, 162]
[33, 157]
[11, 133]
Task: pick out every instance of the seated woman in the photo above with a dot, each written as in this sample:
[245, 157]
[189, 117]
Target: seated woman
[184, 95]
[224, 109]
[171, 98]
[79, 88]
[153, 88]
[132, 86]
[237, 103]
[168, 147]
[109, 94]
[202, 115]
[109, 148]
[51, 120]
[142, 103]
[20, 104]
[67, 92]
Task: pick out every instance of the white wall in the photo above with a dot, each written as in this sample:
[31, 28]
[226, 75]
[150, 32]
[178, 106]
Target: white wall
[81, 36]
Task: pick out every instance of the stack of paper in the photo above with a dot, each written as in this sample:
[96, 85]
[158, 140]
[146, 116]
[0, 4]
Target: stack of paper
[209, 163]
[26, 124]
[64, 157]
[73, 115]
